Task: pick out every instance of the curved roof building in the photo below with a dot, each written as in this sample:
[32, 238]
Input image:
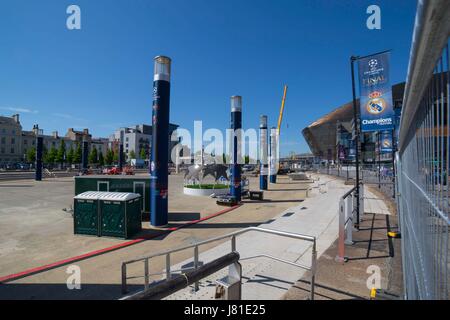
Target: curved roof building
[321, 134]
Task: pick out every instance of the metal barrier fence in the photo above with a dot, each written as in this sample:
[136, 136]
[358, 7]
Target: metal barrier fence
[382, 177]
[422, 162]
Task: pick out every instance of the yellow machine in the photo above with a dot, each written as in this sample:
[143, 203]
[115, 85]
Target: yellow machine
[280, 118]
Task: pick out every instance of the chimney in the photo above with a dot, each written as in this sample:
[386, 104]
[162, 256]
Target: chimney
[86, 131]
[55, 134]
[16, 118]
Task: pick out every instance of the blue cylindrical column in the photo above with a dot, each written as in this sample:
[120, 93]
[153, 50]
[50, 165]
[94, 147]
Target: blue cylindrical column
[160, 146]
[84, 157]
[273, 155]
[236, 126]
[120, 157]
[264, 167]
[39, 147]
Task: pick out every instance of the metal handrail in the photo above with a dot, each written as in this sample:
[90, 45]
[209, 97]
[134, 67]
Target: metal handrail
[231, 235]
[171, 286]
[277, 259]
[346, 213]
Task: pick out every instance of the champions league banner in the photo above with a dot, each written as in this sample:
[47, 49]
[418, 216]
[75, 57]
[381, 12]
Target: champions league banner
[376, 110]
[352, 149]
[386, 142]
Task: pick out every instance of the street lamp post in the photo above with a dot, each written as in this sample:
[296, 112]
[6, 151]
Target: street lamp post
[160, 147]
[236, 126]
[263, 152]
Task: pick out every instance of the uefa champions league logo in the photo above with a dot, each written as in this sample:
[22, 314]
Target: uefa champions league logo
[373, 64]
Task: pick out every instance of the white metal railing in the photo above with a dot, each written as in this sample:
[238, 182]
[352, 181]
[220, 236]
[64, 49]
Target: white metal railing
[232, 236]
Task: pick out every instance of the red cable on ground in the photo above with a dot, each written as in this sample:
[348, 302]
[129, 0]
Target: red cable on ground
[94, 253]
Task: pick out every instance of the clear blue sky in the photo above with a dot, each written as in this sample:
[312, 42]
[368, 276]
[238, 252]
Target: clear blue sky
[100, 77]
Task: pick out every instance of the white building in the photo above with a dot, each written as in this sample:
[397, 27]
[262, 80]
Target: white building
[138, 138]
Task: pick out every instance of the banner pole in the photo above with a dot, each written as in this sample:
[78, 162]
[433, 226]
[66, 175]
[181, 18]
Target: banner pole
[355, 119]
[393, 163]
[379, 159]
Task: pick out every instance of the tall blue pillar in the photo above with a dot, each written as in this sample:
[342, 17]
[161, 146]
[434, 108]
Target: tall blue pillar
[273, 155]
[120, 157]
[84, 157]
[160, 146]
[236, 126]
[39, 151]
[264, 168]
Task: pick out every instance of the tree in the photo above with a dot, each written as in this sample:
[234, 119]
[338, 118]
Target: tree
[116, 156]
[132, 154]
[78, 154]
[61, 152]
[101, 160]
[70, 156]
[51, 155]
[31, 155]
[93, 156]
[109, 157]
[247, 159]
[142, 154]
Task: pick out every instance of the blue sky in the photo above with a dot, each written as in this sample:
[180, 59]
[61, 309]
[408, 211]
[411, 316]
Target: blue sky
[100, 77]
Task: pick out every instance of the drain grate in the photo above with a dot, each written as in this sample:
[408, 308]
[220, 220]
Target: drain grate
[288, 214]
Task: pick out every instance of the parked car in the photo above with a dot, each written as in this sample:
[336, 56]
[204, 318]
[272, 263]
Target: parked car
[248, 167]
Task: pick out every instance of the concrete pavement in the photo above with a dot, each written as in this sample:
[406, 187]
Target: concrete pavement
[35, 231]
[268, 279]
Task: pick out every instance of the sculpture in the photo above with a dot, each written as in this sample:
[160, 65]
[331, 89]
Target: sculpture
[215, 170]
[193, 172]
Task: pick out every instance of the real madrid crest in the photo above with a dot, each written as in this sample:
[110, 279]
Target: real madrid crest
[376, 104]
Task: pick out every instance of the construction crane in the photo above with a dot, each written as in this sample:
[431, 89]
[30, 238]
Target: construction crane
[280, 119]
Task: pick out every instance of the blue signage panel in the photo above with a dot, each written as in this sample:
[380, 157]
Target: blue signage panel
[352, 149]
[386, 142]
[376, 109]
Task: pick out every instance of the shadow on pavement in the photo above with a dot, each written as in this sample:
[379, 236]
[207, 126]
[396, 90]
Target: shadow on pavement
[59, 291]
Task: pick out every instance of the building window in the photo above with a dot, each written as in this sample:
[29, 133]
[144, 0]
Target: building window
[3, 140]
[13, 132]
[25, 141]
[32, 142]
[13, 141]
[12, 150]
[3, 150]
[126, 139]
